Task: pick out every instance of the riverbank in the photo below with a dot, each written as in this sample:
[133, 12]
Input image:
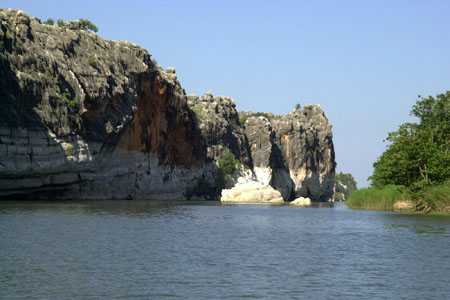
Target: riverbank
[431, 200]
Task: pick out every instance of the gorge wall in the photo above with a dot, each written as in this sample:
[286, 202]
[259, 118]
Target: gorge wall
[86, 118]
[294, 153]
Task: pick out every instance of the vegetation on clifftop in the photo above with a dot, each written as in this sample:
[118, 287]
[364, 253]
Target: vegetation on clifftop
[81, 24]
[417, 160]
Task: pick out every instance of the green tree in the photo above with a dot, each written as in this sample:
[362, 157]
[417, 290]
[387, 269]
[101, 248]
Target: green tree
[60, 22]
[49, 21]
[419, 153]
[227, 163]
[87, 25]
[347, 180]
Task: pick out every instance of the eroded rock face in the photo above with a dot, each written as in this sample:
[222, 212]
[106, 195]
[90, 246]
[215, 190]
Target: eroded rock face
[90, 118]
[219, 124]
[269, 165]
[306, 141]
[295, 151]
[86, 118]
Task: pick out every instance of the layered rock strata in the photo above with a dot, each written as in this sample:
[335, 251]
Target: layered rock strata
[86, 118]
[83, 117]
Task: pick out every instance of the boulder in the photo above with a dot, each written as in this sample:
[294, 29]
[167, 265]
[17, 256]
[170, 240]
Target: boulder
[252, 192]
[301, 202]
[403, 205]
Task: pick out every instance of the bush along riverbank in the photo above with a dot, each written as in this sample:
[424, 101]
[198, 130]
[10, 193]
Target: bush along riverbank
[434, 199]
[413, 174]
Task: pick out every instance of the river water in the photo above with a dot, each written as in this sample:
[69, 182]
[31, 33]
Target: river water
[148, 250]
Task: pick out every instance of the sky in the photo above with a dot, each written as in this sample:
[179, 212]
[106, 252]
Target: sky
[364, 62]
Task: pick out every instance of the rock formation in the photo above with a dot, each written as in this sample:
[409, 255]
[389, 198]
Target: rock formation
[251, 193]
[294, 153]
[305, 139]
[219, 124]
[269, 165]
[301, 202]
[82, 117]
[86, 118]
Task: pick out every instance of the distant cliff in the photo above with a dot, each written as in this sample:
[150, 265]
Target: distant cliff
[86, 118]
[294, 152]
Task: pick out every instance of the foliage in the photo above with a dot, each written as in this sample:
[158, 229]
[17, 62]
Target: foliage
[85, 24]
[417, 158]
[377, 198]
[262, 114]
[432, 199]
[243, 116]
[347, 180]
[82, 24]
[436, 198]
[49, 21]
[419, 153]
[227, 163]
[60, 22]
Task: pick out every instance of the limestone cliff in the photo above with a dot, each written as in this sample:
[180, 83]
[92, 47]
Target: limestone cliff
[86, 118]
[269, 165]
[294, 153]
[83, 117]
[219, 124]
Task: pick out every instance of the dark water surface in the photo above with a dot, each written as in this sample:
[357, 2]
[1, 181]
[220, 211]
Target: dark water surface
[144, 250]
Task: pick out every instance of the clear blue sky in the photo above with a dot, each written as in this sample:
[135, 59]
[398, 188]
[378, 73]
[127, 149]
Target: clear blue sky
[365, 62]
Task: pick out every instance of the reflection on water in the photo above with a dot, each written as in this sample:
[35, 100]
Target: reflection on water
[419, 229]
[150, 250]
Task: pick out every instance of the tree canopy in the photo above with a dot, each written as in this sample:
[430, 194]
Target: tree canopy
[87, 25]
[418, 153]
[49, 21]
[347, 180]
[81, 24]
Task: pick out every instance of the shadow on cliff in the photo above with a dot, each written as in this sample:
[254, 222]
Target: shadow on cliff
[17, 119]
[281, 179]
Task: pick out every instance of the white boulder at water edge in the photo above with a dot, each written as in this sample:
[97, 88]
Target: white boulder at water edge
[252, 192]
[301, 202]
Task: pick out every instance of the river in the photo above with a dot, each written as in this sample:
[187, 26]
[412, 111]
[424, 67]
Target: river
[149, 250]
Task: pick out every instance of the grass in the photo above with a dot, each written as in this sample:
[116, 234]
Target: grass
[434, 199]
[377, 198]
